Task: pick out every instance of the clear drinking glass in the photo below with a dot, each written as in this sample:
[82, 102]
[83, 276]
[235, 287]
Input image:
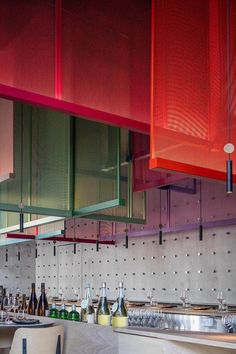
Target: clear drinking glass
[15, 303]
[220, 299]
[183, 297]
[21, 315]
[150, 296]
[7, 303]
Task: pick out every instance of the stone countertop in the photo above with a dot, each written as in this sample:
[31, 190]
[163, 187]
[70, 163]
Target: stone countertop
[222, 340]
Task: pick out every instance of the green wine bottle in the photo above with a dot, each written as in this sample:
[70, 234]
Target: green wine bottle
[53, 312]
[74, 315]
[120, 317]
[103, 312]
[87, 308]
[63, 313]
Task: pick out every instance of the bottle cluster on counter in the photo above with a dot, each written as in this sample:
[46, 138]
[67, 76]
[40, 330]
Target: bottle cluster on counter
[103, 315]
[18, 302]
[117, 317]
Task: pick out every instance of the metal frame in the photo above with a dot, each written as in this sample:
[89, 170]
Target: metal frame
[74, 109]
[33, 223]
[190, 170]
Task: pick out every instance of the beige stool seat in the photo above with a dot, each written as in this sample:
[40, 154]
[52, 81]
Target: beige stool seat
[38, 340]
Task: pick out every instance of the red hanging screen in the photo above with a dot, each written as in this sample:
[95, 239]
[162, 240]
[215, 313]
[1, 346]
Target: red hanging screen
[189, 86]
[106, 55]
[93, 57]
[27, 45]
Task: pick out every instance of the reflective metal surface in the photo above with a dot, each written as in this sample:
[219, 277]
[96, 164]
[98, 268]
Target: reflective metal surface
[181, 322]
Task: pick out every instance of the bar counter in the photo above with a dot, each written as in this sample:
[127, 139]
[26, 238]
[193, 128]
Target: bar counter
[152, 341]
[83, 338]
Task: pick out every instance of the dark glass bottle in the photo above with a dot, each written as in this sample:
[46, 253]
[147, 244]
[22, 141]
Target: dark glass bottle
[63, 313]
[120, 317]
[103, 312]
[1, 296]
[53, 312]
[33, 302]
[74, 315]
[23, 305]
[42, 309]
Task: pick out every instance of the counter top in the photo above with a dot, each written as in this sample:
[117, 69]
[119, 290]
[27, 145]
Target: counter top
[222, 340]
[192, 310]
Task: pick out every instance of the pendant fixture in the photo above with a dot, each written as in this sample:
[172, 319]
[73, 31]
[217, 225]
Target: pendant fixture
[21, 205]
[54, 249]
[229, 147]
[200, 212]
[126, 237]
[97, 241]
[160, 223]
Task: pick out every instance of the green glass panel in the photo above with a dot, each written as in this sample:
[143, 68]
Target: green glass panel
[50, 162]
[133, 210]
[9, 219]
[42, 163]
[97, 173]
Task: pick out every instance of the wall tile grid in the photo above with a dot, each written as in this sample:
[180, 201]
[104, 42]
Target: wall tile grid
[17, 265]
[181, 262]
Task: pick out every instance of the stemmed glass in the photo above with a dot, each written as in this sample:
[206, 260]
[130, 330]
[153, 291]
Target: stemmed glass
[220, 299]
[97, 294]
[228, 323]
[60, 293]
[7, 303]
[150, 296]
[15, 303]
[183, 297]
[76, 292]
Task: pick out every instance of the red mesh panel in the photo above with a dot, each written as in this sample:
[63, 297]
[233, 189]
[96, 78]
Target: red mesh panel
[6, 139]
[106, 46]
[27, 45]
[189, 96]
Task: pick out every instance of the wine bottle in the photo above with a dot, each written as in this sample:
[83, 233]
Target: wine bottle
[87, 308]
[1, 296]
[63, 313]
[33, 302]
[103, 312]
[74, 315]
[120, 317]
[23, 306]
[42, 309]
[53, 313]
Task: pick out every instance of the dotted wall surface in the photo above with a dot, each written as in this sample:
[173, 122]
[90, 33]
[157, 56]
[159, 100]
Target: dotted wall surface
[17, 267]
[182, 262]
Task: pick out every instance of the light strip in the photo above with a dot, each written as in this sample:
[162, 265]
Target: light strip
[38, 222]
[50, 234]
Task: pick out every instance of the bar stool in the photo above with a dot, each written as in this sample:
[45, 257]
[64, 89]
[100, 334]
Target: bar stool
[38, 340]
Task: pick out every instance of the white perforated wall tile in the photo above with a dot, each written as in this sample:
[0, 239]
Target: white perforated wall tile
[69, 270]
[18, 267]
[46, 266]
[182, 262]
